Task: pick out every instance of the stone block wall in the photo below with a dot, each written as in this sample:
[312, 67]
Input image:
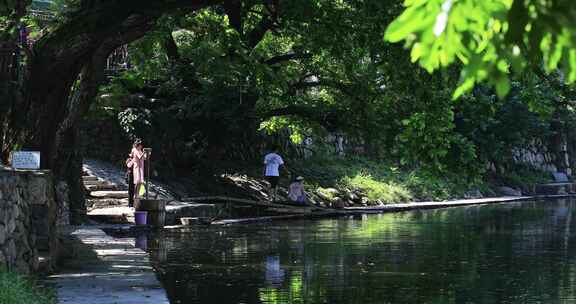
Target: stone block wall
[28, 220]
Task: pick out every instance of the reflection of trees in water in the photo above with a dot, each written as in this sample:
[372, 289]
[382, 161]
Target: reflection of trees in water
[483, 254]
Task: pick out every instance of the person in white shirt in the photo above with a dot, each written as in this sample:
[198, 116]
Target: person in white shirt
[273, 161]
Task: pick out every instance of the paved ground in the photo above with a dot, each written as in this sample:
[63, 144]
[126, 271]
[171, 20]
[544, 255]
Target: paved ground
[107, 271]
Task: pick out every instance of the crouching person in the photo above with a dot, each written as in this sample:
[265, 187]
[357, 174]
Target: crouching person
[296, 191]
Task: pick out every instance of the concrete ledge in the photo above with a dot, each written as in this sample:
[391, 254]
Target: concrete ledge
[384, 209]
[12, 171]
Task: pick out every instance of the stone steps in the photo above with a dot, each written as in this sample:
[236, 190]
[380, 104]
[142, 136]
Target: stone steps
[100, 203]
[96, 183]
[102, 187]
[109, 194]
[93, 183]
[89, 178]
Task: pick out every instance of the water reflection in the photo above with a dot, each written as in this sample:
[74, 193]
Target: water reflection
[274, 273]
[514, 253]
[141, 242]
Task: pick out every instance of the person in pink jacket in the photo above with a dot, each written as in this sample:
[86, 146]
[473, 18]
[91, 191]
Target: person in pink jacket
[138, 157]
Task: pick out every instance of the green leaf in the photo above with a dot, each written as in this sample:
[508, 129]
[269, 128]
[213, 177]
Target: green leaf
[503, 86]
[417, 52]
[412, 20]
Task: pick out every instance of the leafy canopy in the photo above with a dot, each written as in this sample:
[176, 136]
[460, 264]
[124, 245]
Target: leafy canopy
[490, 38]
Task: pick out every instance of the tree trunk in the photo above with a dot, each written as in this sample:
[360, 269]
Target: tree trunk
[59, 56]
[67, 159]
[70, 171]
[9, 94]
[45, 117]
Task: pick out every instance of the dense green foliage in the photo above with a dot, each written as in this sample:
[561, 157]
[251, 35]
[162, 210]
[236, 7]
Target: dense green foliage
[15, 289]
[218, 83]
[205, 87]
[490, 38]
[222, 83]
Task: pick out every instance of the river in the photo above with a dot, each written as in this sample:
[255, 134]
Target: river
[507, 253]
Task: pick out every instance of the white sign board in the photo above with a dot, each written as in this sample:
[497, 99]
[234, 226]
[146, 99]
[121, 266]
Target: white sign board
[25, 160]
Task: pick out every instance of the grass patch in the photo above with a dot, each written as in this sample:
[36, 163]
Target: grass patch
[386, 182]
[383, 181]
[15, 289]
[387, 192]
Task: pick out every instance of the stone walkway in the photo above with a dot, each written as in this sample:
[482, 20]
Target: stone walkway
[107, 270]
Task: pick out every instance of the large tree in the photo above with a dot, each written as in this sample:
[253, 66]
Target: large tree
[44, 94]
[317, 62]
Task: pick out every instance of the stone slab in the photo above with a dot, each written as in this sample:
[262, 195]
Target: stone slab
[101, 187]
[96, 203]
[109, 194]
[95, 182]
[177, 210]
[116, 215]
[107, 270]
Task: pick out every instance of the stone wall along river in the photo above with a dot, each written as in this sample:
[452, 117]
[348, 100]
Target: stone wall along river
[29, 218]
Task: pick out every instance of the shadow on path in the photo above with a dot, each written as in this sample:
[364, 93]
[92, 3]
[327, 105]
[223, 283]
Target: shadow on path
[107, 270]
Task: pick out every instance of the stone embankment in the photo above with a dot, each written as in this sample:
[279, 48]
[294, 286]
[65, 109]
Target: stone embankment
[30, 214]
[108, 203]
[359, 198]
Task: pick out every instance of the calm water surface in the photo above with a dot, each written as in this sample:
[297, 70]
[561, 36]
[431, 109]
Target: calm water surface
[514, 253]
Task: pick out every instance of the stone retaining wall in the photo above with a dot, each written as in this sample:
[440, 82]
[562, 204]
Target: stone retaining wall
[28, 220]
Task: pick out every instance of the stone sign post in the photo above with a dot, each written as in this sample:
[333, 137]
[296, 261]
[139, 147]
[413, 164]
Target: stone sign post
[25, 160]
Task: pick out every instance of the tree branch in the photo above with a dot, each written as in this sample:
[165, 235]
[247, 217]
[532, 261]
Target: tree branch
[256, 35]
[287, 57]
[171, 48]
[233, 9]
[328, 118]
[93, 75]
[268, 22]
